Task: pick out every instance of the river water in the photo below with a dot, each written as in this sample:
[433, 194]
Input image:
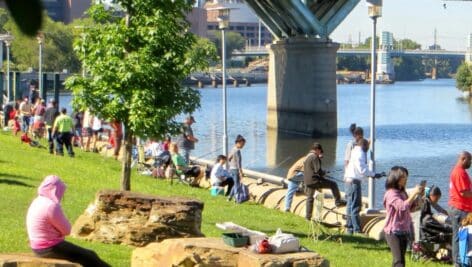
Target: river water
[420, 125]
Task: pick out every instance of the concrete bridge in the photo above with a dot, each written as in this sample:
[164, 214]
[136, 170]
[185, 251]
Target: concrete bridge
[302, 63]
[263, 51]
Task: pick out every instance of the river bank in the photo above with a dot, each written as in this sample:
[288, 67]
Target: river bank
[88, 172]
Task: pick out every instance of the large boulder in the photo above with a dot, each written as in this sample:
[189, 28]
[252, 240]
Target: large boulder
[299, 259]
[186, 252]
[213, 252]
[123, 217]
[28, 260]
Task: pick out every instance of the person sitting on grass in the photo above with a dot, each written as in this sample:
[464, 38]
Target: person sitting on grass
[220, 177]
[48, 226]
[181, 167]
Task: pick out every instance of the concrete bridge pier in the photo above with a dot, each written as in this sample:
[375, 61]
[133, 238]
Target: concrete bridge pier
[302, 95]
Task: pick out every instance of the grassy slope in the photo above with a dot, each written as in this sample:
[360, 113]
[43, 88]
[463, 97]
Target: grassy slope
[22, 168]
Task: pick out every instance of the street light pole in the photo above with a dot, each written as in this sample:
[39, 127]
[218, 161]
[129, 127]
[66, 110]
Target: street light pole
[7, 44]
[375, 11]
[225, 99]
[223, 24]
[40, 69]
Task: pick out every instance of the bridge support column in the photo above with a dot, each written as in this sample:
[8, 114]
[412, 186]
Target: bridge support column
[301, 94]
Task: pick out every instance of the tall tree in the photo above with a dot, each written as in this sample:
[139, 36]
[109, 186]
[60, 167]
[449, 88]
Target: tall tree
[234, 41]
[135, 67]
[464, 78]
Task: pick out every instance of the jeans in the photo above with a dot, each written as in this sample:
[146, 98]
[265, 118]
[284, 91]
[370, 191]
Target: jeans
[227, 182]
[25, 123]
[397, 244]
[292, 188]
[64, 139]
[236, 180]
[50, 140]
[186, 155]
[456, 216]
[310, 190]
[353, 207]
[68, 251]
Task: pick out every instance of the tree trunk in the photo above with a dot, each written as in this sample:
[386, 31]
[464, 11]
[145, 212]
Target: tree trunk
[126, 163]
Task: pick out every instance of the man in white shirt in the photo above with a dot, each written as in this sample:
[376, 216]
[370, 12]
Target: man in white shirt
[220, 177]
[357, 134]
[356, 170]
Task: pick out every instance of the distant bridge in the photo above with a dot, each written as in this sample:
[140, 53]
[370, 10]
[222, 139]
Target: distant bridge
[255, 51]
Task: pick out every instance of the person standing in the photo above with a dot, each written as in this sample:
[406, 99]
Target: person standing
[314, 179]
[350, 145]
[294, 178]
[398, 205]
[357, 134]
[25, 113]
[48, 226]
[63, 128]
[460, 199]
[78, 117]
[187, 140]
[50, 116]
[235, 165]
[356, 170]
[117, 136]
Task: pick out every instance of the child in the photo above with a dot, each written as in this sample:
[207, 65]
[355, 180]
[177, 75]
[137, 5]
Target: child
[235, 164]
[219, 176]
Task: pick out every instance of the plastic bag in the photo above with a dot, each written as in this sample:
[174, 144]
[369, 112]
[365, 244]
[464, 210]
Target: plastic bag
[284, 243]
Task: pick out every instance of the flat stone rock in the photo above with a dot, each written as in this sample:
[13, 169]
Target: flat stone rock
[186, 252]
[300, 259]
[28, 260]
[123, 217]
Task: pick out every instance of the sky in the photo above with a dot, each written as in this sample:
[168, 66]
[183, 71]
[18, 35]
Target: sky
[413, 19]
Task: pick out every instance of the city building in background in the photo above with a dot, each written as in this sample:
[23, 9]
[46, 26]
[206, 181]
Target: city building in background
[385, 67]
[468, 54]
[66, 10]
[242, 20]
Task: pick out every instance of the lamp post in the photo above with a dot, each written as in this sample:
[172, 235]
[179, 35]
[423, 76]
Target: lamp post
[7, 38]
[375, 11]
[40, 38]
[223, 24]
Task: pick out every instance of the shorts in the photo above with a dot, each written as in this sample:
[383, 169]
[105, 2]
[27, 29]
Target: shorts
[87, 131]
[95, 132]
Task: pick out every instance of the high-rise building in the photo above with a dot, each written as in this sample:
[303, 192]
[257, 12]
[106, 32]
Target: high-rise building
[66, 10]
[242, 20]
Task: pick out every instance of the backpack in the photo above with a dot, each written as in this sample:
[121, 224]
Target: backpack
[242, 194]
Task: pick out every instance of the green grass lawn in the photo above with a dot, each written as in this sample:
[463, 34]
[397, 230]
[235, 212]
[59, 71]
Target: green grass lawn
[22, 168]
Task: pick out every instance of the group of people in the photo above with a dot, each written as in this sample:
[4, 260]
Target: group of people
[398, 203]
[228, 171]
[60, 129]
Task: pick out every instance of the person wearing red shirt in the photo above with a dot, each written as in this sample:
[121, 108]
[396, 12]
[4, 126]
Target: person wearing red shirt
[460, 199]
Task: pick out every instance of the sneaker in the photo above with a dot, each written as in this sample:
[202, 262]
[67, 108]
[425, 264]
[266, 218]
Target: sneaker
[340, 203]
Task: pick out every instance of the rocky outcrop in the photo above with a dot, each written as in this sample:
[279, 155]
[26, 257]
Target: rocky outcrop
[123, 217]
[186, 252]
[213, 252]
[27, 260]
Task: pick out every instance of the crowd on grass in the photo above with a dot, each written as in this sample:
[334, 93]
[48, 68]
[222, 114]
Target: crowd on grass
[47, 225]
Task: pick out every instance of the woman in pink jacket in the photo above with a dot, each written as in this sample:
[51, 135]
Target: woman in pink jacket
[48, 226]
[398, 224]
